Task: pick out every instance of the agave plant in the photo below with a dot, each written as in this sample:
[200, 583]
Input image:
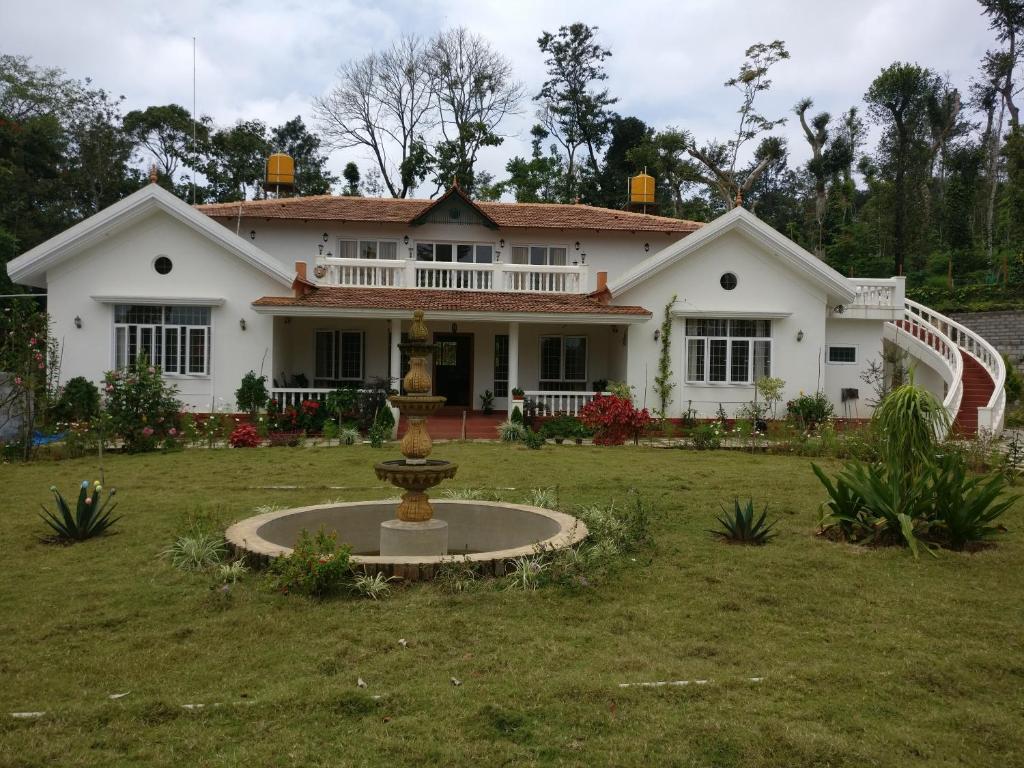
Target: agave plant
[742, 527]
[966, 507]
[92, 515]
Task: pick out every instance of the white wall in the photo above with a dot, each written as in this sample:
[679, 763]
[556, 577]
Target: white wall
[765, 285]
[866, 336]
[612, 252]
[123, 265]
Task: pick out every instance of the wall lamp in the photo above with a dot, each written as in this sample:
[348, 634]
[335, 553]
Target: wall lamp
[241, 323]
[325, 237]
[583, 258]
[800, 335]
[405, 240]
[252, 234]
[78, 321]
[501, 243]
[320, 247]
[577, 245]
[657, 334]
[647, 247]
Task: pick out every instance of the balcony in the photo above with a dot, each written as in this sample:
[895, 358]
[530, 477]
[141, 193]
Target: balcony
[876, 299]
[451, 276]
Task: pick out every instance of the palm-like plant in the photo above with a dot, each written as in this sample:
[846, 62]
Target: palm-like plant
[92, 515]
[966, 507]
[912, 422]
[743, 526]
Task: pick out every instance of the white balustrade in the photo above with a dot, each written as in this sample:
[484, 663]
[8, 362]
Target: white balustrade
[292, 397]
[454, 276]
[362, 273]
[875, 293]
[551, 403]
[534, 278]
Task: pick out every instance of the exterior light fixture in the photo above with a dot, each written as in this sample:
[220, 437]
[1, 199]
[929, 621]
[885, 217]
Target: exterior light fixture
[241, 323]
[657, 334]
[800, 335]
[583, 258]
[320, 247]
[455, 328]
[405, 240]
[325, 237]
[252, 234]
[501, 243]
[577, 245]
[647, 247]
[78, 321]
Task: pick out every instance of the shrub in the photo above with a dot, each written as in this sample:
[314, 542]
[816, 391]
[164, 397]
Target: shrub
[743, 526]
[79, 401]
[310, 416]
[564, 426]
[244, 436]
[329, 430]
[141, 406]
[614, 419]
[966, 507]
[196, 550]
[90, 518]
[526, 573]
[808, 411]
[770, 388]
[348, 436]
[911, 422]
[517, 416]
[707, 437]
[374, 587]
[317, 567]
[546, 498]
[533, 440]
[512, 431]
[487, 401]
[251, 396]
[359, 406]
[231, 573]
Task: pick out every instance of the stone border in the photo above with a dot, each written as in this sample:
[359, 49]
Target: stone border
[243, 540]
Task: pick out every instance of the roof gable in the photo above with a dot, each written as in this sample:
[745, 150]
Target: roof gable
[30, 268]
[742, 221]
[454, 207]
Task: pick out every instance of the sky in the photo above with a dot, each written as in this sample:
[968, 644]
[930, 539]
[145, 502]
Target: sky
[268, 59]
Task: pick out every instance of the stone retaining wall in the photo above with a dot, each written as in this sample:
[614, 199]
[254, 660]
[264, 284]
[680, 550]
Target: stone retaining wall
[1003, 330]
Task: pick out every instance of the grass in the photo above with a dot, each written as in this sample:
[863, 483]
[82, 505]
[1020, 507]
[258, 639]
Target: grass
[868, 657]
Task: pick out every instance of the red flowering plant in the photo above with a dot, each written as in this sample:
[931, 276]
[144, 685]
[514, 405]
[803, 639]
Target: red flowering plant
[614, 419]
[244, 436]
[318, 566]
[310, 418]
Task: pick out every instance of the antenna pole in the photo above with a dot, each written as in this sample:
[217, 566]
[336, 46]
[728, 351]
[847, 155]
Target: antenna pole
[193, 116]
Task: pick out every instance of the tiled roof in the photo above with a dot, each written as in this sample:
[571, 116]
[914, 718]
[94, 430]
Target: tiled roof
[408, 299]
[402, 211]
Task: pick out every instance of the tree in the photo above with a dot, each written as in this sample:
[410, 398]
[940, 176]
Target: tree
[473, 91]
[1006, 19]
[573, 110]
[626, 134]
[828, 157]
[898, 101]
[236, 163]
[537, 179]
[665, 157]
[720, 159]
[311, 174]
[351, 176]
[166, 132]
[383, 103]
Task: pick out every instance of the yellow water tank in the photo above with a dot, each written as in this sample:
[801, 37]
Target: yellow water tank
[641, 189]
[280, 171]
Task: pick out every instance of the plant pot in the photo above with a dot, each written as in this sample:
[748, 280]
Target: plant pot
[290, 439]
[579, 440]
[559, 440]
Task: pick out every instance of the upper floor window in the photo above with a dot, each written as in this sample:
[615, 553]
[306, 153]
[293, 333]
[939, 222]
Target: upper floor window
[539, 255]
[176, 338]
[462, 253]
[733, 351]
[368, 249]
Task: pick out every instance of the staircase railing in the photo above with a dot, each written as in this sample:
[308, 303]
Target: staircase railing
[947, 331]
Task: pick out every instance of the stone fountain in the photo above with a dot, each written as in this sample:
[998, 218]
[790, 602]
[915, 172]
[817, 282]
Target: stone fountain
[415, 531]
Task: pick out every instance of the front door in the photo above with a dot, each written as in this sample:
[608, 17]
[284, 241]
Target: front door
[453, 368]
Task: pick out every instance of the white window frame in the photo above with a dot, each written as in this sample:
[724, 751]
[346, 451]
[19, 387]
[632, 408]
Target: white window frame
[336, 361]
[547, 253]
[830, 361]
[561, 357]
[183, 332]
[475, 244]
[729, 340]
[377, 241]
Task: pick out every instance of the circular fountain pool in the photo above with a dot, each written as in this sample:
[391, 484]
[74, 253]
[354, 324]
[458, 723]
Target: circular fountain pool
[484, 532]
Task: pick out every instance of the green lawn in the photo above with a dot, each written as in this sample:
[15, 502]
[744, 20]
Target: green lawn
[867, 657]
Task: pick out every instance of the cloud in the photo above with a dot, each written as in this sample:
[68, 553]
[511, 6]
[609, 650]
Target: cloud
[267, 60]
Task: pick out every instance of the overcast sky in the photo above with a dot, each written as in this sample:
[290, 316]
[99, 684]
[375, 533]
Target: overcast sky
[267, 59]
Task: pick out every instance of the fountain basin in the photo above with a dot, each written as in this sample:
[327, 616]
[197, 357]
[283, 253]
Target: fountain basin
[417, 405]
[486, 533]
[415, 477]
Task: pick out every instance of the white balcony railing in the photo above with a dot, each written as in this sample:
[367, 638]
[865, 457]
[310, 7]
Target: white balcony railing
[552, 403]
[453, 276]
[884, 293]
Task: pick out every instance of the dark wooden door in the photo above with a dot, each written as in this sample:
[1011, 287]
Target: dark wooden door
[453, 368]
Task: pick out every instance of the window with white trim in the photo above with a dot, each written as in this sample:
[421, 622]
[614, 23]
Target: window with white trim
[368, 249]
[539, 255]
[501, 365]
[460, 253]
[563, 363]
[175, 338]
[842, 355]
[338, 357]
[728, 351]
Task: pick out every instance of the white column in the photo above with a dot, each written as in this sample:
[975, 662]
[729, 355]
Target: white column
[396, 368]
[513, 360]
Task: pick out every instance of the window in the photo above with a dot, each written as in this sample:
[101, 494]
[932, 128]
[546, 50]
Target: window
[723, 351]
[462, 253]
[728, 281]
[501, 365]
[176, 338]
[338, 357]
[842, 355]
[163, 265]
[539, 255]
[563, 362]
[367, 249]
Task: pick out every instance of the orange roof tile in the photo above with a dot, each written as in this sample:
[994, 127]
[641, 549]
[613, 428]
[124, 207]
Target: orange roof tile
[403, 211]
[408, 299]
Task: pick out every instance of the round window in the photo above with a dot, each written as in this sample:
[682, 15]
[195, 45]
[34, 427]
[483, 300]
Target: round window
[163, 265]
[728, 281]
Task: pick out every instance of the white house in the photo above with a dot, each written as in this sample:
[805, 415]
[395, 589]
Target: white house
[315, 292]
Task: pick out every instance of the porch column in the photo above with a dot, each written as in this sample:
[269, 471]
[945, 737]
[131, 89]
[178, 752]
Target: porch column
[513, 357]
[395, 368]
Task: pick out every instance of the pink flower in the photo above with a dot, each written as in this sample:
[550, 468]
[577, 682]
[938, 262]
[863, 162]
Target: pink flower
[17, 380]
[32, 341]
[110, 387]
[172, 431]
[151, 369]
[41, 366]
[147, 431]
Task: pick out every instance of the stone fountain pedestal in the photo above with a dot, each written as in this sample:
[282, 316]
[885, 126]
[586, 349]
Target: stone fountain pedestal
[415, 531]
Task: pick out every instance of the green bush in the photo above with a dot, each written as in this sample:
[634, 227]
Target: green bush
[564, 426]
[79, 401]
[808, 411]
[707, 437]
[743, 526]
[317, 567]
[141, 406]
[90, 518]
[511, 431]
[533, 440]
[251, 397]
[196, 550]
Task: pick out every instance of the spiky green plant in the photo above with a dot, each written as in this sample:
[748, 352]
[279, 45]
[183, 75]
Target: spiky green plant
[348, 436]
[546, 498]
[511, 432]
[743, 526]
[375, 587]
[966, 507]
[912, 422]
[197, 550]
[230, 573]
[526, 573]
[92, 515]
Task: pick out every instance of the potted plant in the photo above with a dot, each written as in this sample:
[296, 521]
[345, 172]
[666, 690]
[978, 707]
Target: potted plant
[517, 395]
[487, 401]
